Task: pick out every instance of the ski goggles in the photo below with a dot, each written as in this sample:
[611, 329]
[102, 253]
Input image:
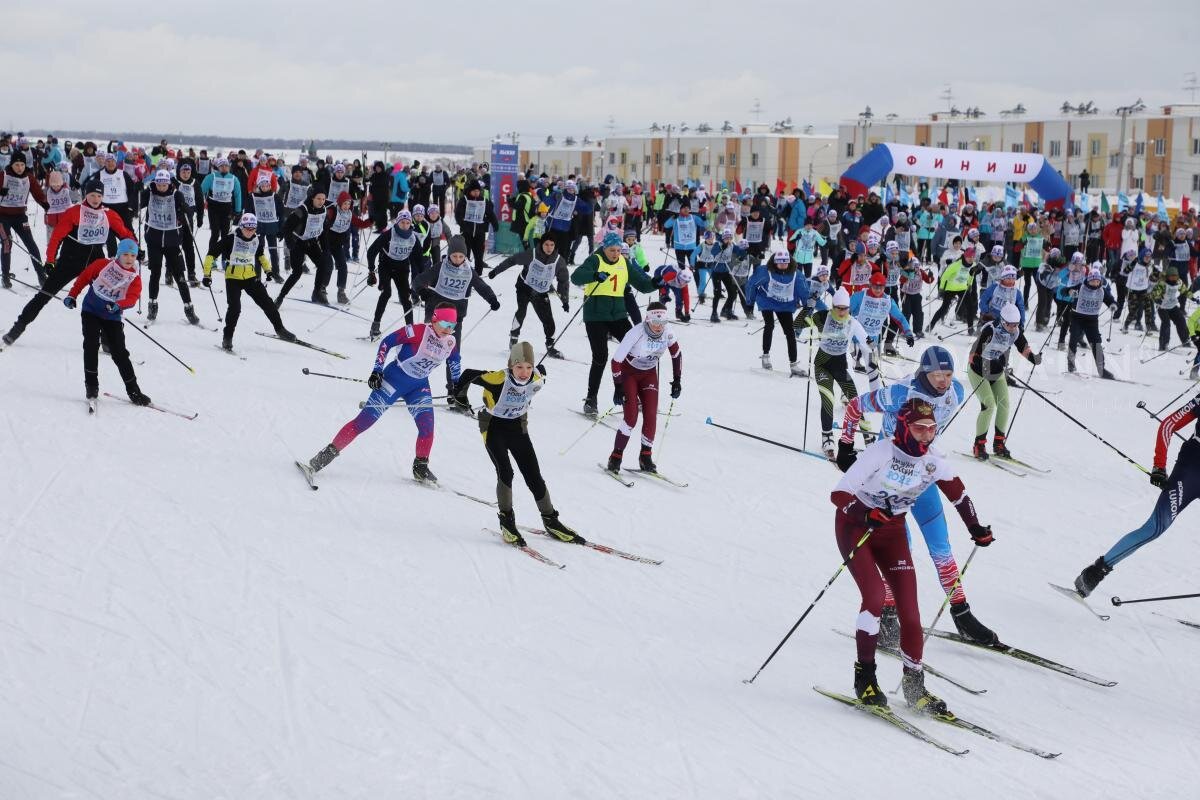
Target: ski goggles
[446, 325]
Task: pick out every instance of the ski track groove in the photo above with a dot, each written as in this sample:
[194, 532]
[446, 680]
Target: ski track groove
[18, 523]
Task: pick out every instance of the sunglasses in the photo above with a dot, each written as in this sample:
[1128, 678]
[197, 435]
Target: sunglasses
[446, 326]
[923, 427]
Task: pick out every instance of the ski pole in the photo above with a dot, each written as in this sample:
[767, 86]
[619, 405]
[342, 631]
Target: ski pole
[1161, 353]
[1021, 399]
[599, 419]
[1170, 402]
[666, 425]
[307, 371]
[961, 406]
[1142, 405]
[595, 286]
[476, 325]
[808, 383]
[709, 421]
[335, 313]
[812, 605]
[1095, 435]
[1116, 601]
[145, 333]
[949, 335]
[35, 288]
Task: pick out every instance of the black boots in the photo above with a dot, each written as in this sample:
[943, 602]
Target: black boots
[1091, 576]
[321, 460]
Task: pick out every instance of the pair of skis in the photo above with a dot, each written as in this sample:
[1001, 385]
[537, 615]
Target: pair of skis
[629, 483]
[92, 407]
[600, 548]
[303, 343]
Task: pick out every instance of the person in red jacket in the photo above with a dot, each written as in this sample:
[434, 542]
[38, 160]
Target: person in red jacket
[16, 185]
[1111, 236]
[855, 272]
[82, 232]
[113, 286]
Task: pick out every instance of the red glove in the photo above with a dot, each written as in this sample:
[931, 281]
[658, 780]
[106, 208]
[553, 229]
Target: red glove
[877, 517]
[669, 276]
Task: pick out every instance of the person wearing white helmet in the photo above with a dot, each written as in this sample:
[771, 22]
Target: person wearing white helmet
[1087, 300]
[835, 329]
[988, 375]
[165, 212]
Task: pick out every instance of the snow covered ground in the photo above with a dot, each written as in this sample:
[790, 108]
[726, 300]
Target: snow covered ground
[180, 617]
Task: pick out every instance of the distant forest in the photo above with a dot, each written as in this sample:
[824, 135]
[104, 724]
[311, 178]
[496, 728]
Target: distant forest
[208, 140]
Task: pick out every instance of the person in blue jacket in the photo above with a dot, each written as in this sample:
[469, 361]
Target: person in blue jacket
[873, 307]
[935, 383]
[686, 228]
[400, 191]
[561, 220]
[778, 290]
[1004, 290]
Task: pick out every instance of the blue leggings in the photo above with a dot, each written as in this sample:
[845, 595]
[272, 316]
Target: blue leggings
[1182, 487]
[397, 386]
[927, 513]
[702, 274]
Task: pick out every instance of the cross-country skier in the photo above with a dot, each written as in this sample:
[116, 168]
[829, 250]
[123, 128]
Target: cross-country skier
[222, 196]
[837, 328]
[398, 250]
[873, 308]
[988, 375]
[504, 423]
[242, 249]
[1086, 302]
[475, 215]
[304, 235]
[779, 290]
[404, 376]
[1001, 292]
[935, 383]
[113, 285]
[543, 272]
[16, 185]
[1178, 489]
[165, 210]
[872, 499]
[635, 376]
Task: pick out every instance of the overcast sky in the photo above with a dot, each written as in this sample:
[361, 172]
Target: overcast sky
[460, 71]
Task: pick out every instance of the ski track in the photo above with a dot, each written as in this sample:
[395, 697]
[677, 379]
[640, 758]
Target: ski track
[187, 619]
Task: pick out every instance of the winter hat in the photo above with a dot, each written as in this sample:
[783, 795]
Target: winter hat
[841, 297]
[1010, 313]
[521, 353]
[629, 232]
[457, 245]
[127, 247]
[570, 186]
[343, 197]
[17, 158]
[1008, 272]
[1171, 272]
[543, 208]
[611, 239]
[970, 251]
[877, 279]
[432, 211]
[1078, 258]
[449, 314]
[915, 410]
[781, 257]
[110, 156]
[892, 247]
[248, 220]
[93, 185]
[936, 359]
[339, 167]
[822, 269]
[727, 233]
[1095, 274]
[405, 216]
[418, 209]
[162, 176]
[264, 180]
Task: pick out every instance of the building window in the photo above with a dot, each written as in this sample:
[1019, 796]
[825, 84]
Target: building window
[1055, 148]
[849, 149]
[1139, 148]
[1160, 147]
[754, 159]
[1138, 183]
[705, 171]
[612, 158]
[1017, 147]
[657, 159]
[1114, 160]
[1196, 147]
[647, 159]
[963, 145]
[941, 145]
[733, 156]
[695, 159]
[1033, 146]
[1196, 183]
[721, 160]
[623, 158]
[1074, 148]
[1156, 183]
[1095, 145]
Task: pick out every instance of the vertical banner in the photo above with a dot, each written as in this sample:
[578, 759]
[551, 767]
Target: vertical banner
[504, 185]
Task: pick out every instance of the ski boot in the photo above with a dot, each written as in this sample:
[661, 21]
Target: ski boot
[702, 300]
[342, 298]
[1091, 576]
[135, 394]
[91, 385]
[1061, 347]
[374, 329]
[687, 317]
[889, 628]
[190, 314]
[766, 360]
[918, 697]
[320, 298]
[679, 315]
[866, 687]
[152, 311]
[6, 281]
[971, 628]
[714, 316]
[321, 460]
[512, 341]
[645, 462]
[508, 529]
[979, 450]
[13, 334]
[421, 470]
[1193, 375]
[559, 531]
[227, 342]
[827, 446]
[589, 407]
[275, 276]
[551, 351]
[284, 334]
[889, 349]
[999, 445]
[614, 462]
[1070, 361]
[193, 282]
[797, 371]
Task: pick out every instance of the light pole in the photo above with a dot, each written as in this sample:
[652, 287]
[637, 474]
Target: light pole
[814, 158]
[1124, 112]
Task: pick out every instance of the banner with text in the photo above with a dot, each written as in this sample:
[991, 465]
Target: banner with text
[504, 185]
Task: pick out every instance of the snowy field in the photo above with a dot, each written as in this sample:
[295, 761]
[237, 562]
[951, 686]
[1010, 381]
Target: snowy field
[181, 617]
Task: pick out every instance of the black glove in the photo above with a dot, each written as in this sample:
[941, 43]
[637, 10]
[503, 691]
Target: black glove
[876, 517]
[376, 380]
[69, 302]
[566, 304]
[3, 191]
[371, 278]
[676, 389]
[601, 276]
[541, 368]
[1037, 359]
[846, 455]
[981, 534]
[495, 305]
[112, 308]
[618, 396]
[1158, 477]
[909, 339]
[206, 281]
[491, 273]
[49, 266]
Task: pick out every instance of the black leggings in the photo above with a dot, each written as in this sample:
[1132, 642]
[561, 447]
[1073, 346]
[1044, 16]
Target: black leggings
[789, 330]
[914, 309]
[166, 244]
[19, 225]
[320, 259]
[393, 272]
[597, 334]
[113, 331]
[541, 306]
[219, 216]
[1167, 316]
[336, 245]
[830, 369]
[723, 284]
[256, 292]
[947, 299]
[504, 438]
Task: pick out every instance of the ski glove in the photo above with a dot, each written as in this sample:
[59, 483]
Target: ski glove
[69, 302]
[877, 517]
[618, 396]
[207, 281]
[1158, 477]
[981, 534]
[909, 339]
[541, 368]
[1037, 359]
[566, 305]
[371, 278]
[676, 389]
[846, 455]
[601, 277]
[112, 308]
[376, 380]
[491, 273]
[495, 305]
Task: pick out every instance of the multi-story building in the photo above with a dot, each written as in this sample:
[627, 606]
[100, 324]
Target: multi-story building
[1151, 151]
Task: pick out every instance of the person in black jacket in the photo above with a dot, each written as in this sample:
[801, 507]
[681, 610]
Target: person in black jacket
[304, 235]
[540, 269]
[400, 251]
[166, 211]
[379, 191]
[474, 214]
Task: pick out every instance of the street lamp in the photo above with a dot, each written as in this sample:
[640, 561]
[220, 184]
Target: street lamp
[814, 158]
[1124, 112]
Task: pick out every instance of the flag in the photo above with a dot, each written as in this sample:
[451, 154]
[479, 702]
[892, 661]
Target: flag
[1162, 208]
[943, 197]
[780, 187]
[1011, 197]
[971, 194]
[807, 188]
[737, 185]
[1139, 204]
[962, 197]
[888, 194]
[724, 185]
[1085, 202]
[1104, 206]
[1024, 198]
[823, 188]
[905, 197]
[1185, 204]
[1122, 202]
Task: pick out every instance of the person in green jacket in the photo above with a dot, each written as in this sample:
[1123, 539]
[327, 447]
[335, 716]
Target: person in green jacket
[1193, 325]
[953, 285]
[536, 227]
[1033, 255]
[604, 276]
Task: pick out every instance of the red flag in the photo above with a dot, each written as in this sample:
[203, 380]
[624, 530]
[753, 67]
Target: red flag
[962, 197]
[943, 197]
[780, 186]
[1185, 204]
[737, 185]
[710, 187]
[654, 186]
